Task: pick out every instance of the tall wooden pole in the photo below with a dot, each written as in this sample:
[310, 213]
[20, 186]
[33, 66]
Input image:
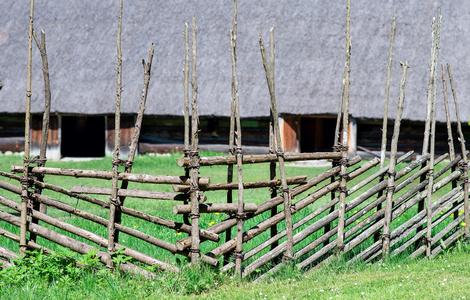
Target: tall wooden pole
[464, 166]
[231, 141]
[427, 125]
[194, 156]
[41, 162]
[450, 139]
[114, 199]
[240, 211]
[187, 123]
[24, 186]
[432, 137]
[383, 148]
[289, 253]
[135, 137]
[272, 146]
[427, 128]
[344, 140]
[391, 167]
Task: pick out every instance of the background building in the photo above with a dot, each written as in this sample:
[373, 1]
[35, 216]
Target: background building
[81, 46]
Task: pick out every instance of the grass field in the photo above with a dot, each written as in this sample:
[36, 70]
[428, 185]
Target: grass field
[336, 280]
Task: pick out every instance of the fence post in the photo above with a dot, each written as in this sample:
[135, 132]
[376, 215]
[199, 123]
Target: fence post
[194, 156]
[25, 200]
[464, 166]
[391, 166]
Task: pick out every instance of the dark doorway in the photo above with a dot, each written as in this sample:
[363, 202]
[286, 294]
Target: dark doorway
[83, 136]
[317, 134]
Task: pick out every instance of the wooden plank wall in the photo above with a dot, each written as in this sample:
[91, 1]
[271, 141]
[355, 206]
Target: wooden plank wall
[12, 132]
[166, 134]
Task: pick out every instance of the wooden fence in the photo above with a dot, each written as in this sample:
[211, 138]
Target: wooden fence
[399, 209]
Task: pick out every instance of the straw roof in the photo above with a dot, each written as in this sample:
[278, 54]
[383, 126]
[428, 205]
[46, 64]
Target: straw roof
[81, 45]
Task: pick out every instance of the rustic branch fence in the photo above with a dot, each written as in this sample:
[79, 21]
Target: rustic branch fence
[340, 215]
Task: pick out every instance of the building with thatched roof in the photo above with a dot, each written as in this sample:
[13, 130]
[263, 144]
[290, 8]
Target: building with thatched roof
[81, 46]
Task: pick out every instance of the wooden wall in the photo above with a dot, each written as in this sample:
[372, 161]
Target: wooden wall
[127, 131]
[53, 141]
[369, 135]
[166, 134]
[12, 132]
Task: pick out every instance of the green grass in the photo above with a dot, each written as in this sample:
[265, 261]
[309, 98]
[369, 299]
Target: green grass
[190, 282]
[445, 277]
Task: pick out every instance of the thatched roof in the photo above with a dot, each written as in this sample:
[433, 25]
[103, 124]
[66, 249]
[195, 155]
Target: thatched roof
[81, 44]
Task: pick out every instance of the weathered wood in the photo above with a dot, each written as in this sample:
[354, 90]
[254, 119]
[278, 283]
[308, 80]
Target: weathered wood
[391, 170]
[400, 209]
[186, 107]
[130, 193]
[114, 201]
[265, 224]
[98, 239]
[267, 205]
[465, 160]
[194, 156]
[240, 214]
[280, 153]
[417, 220]
[427, 126]
[205, 208]
[260, 158]
[409, 226]
[7, 254]
[443, 232]
[344, 135]
[432, 136]
[47, 107]
[450, 140]
[31, 245]
[83, 248]
[88, 216]
[186, 93]
[141, 178]
[129, 211]
[272, 145]
[321, 223]
[351, 205]
[27, 141]
[302, 179]
[331, 204]
[135, 138]
[454, 237]
[383, 148]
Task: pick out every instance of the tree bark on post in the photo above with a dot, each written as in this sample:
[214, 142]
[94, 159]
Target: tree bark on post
[344, 138]
[432, 136]
[450, 139]
[241, 216]
[114, 199]
[272, 146]
[391, 168]
[135, 138]
[187, 123]
[194, 156]
[231, 140]
[289, 253]
[427, 126]
[464, 166]
[25, 201]
[47, 109]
